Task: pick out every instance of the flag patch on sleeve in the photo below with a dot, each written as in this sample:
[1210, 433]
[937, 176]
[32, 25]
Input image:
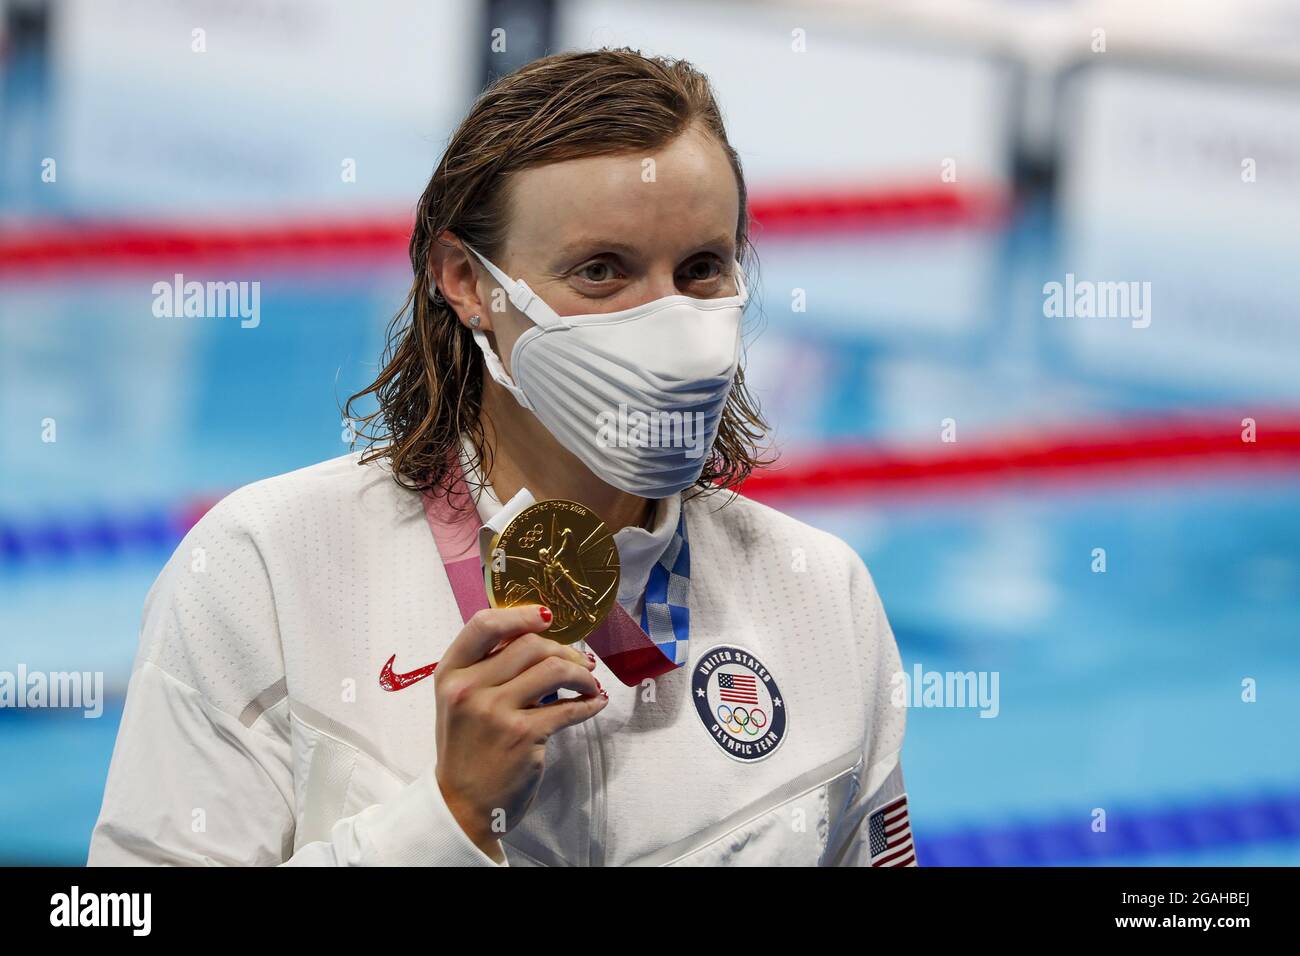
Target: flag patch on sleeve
[890, 834]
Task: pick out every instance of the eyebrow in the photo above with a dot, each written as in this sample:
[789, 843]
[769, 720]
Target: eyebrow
[587, 246]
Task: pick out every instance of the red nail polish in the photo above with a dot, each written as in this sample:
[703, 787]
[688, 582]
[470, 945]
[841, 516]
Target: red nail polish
[598, 687]
[591, 657]
[545, 613]
[604, 694]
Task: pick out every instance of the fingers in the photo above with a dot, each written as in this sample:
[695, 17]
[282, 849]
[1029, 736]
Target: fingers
[519, 655]
[550, 718]
[487, 628]
[546, 676]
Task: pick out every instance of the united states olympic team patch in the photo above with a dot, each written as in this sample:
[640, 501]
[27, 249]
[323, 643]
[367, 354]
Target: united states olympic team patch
[739, 702]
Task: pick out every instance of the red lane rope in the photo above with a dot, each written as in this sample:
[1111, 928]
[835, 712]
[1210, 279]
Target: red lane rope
[116, 246]
[1102, 451]
[875, 210]
[1187, 448]
[44, 245]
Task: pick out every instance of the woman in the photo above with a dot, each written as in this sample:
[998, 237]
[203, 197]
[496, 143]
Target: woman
[573, 334]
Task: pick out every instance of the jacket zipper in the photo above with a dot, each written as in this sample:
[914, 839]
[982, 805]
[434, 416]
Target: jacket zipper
[596, 770]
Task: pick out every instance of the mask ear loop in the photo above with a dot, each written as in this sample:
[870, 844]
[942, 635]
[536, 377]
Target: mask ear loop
[521, 296]
[526, 301]
[742, 287]
[498, 370]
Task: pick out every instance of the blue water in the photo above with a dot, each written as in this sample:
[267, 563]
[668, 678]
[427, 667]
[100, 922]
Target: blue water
[1118, 691]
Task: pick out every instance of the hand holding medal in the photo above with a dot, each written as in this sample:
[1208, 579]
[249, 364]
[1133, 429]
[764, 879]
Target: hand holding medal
[559, 554]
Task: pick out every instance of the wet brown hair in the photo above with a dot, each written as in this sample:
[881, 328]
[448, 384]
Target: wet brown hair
[561, 107]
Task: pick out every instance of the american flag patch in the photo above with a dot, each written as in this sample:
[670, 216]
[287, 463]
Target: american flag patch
[889, 832]
[738, 688]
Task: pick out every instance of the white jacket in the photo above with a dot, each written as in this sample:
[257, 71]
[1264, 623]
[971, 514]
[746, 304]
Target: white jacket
[256, 731]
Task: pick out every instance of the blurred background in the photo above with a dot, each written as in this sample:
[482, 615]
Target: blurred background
[919, 171]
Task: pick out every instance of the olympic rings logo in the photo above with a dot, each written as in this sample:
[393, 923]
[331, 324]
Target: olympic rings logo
[739, 720]
[532, 536]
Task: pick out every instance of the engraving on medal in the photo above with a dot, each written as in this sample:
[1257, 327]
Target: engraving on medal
[558, 553]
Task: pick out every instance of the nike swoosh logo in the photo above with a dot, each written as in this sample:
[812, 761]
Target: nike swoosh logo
[389, 680]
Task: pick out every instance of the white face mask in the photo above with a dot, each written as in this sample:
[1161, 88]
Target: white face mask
[637, 395]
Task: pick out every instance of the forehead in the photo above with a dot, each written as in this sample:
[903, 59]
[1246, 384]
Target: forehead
[657, 201]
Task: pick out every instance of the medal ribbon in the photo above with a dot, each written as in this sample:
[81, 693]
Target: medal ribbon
[666, 614]
[626, 648]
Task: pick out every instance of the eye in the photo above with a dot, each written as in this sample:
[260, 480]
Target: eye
[597, 271]
[706, 269]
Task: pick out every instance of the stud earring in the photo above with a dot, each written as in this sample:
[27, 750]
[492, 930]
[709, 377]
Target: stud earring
[475, 321]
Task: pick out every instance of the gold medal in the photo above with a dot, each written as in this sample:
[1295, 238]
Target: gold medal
[560, 554]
